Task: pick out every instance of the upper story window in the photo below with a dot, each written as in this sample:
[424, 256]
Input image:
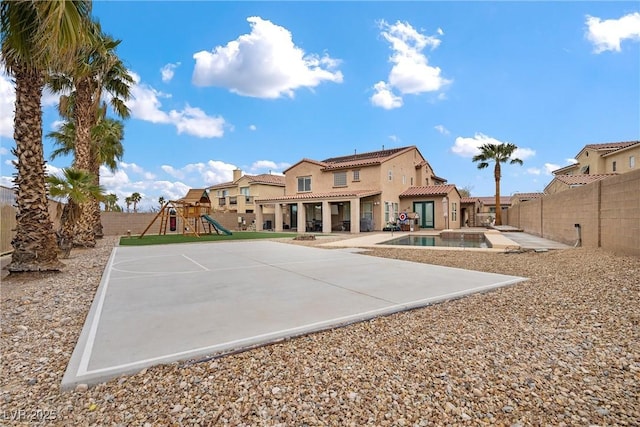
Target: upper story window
[339, 179]
[404, 179]
[390, 175]
[356, 175]
[244, 191]
[613, 165]
[304, 184]
[632, 162]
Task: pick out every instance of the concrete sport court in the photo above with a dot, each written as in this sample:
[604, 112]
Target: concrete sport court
[159, 304]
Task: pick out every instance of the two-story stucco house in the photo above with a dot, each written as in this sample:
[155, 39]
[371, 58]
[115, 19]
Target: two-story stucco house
[362, 192]
[239, 195]
[595, 162]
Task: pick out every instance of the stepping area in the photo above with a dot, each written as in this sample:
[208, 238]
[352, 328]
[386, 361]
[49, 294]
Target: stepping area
[159, 304]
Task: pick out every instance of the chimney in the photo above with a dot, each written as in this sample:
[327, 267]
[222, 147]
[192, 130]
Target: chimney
[237, 173]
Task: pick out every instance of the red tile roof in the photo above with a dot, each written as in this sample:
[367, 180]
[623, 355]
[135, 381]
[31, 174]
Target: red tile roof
[428, 190]
[527, 195]
[267, 178]
[611, 145]
[582, 179]
[491, 200]
[469, 199]
[327, 195]
[364, 159]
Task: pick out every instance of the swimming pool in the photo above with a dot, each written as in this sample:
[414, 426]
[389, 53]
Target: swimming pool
[471, 241]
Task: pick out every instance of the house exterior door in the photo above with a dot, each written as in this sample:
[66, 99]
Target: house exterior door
[425, 213]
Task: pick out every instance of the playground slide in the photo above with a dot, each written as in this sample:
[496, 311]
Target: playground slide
[217, 225]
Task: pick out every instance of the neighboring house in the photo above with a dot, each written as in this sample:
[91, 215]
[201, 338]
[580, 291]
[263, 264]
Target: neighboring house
[240, 194]
[523, 197]
[359, 192]
[596, 160]
[564, 182]
[488, 209]
[469, 208]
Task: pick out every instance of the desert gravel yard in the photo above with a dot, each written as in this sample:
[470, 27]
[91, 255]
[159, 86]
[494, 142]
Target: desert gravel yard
[560, 349]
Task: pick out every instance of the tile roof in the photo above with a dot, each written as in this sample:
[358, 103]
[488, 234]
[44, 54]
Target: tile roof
[582, 179]
[267, 178]
[469, 199]
[364, 159]
[196, 195]
[428, 190]
[611, 145]
[327, 195]
[491, 200]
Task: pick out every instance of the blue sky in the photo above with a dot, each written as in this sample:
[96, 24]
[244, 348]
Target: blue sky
[261, 85]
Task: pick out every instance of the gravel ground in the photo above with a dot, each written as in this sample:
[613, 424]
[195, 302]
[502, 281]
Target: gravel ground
[560, 349]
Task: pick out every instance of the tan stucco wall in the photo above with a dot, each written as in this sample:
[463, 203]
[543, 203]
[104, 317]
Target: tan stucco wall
[622, 160]
[608, 212]
[440, 222]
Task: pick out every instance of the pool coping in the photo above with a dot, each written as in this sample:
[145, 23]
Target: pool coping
[498, 242]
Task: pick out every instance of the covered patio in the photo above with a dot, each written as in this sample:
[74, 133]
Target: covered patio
[348, 211]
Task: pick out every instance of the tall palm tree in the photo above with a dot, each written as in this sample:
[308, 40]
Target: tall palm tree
[111, 203]
[37, 37]
[106, 149]
[96, 71]
[128, 201]
[76, 187]
[498, 153]
[135, 199]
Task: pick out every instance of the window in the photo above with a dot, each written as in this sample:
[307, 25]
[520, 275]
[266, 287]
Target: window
[304, 184]
[244, 191]
[390, 210]
[404, 180]
[454, 211]
[339, 179]
[412, 181]
[632, 162]
[356, 175]
[390, 175]
[613, 165]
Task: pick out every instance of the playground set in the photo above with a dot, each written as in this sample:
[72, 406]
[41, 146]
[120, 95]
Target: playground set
[191, 215]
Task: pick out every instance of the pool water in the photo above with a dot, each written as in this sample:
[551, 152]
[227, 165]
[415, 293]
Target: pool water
[413, 240]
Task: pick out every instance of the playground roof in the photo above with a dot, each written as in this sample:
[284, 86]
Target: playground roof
[195, 196]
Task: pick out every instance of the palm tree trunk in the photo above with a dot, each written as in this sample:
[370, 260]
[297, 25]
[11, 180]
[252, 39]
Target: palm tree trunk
[34, 244]
[84, 234]
[95, 204]
[498, 176]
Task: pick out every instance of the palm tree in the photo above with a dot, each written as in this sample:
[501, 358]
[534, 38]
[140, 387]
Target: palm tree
[77, 187]
[106, 149]
[128, 201]
[135, 199]
[97, 70]
[37, 36]
[110, 203]
[498, 153]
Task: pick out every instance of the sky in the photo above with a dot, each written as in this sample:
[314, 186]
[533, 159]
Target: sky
[261, 85]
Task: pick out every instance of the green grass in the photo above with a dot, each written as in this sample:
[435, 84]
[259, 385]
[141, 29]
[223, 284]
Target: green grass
[179, 238]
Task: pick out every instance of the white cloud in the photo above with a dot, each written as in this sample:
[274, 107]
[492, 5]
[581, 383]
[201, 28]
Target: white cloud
[534, 171]
[6, 181]
[609, 33]
[168, 71]
[4, 151]
[268, 165]
[411, 72]
[263, 64]
[469, 147]
[53, 170]
[550, 167]
[252, 127]
[394, 138]
[145, 105]
[384, 97]
[571, 161]
[443, 130]
[7, 105]
[524, 153]
[194, 121]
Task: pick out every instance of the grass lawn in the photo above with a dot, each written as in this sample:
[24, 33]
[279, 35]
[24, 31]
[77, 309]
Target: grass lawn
[180, 238]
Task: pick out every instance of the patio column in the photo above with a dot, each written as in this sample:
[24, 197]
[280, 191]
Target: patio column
[302, 218]
[326, 217]
[278, 224]
[259, 217]
[355, 215]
